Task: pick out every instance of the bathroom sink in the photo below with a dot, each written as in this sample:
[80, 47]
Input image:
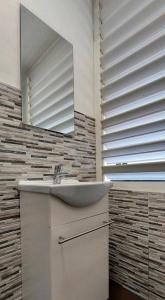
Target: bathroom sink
[81, 194]
[76, 194]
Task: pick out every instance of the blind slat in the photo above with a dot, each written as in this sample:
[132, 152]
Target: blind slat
[137, 176]
[135, 106]
[136, 123]
[64, 123]
[137, 157]
[64, 95]
[139, 28]
[138, 79]
[135, 131]
[138, 140]
[133, 89]
[42, 76]
[55, 80]
[134, 149]
[53, 91]
[142, 94]
[58, 109]
[137, 43]
[61, 114]
[65, 98]
[129, 10]
[130, 67]
[159, 166]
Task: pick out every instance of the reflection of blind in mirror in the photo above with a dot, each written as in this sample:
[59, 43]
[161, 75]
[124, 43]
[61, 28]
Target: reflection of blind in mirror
[52, 89]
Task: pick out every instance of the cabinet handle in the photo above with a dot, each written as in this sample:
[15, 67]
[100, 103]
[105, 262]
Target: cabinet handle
[62, 240]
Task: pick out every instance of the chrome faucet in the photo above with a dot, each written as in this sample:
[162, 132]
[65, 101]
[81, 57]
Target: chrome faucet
[58, 174]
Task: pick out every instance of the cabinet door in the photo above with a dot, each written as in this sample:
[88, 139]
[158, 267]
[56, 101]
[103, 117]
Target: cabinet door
[80, 266]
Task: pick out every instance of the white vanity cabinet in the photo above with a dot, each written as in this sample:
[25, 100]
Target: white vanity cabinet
[65, 249]
[81, 262]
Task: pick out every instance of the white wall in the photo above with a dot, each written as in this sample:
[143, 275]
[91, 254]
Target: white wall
[9, 42]
[70, 18]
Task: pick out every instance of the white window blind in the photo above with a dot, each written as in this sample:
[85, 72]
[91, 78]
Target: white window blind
[133, 88]
[51, 82]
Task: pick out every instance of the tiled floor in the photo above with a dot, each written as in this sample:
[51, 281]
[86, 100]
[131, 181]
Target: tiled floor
[117, 292]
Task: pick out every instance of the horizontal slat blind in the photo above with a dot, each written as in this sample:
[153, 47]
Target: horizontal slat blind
[52, 89]
[133, 88]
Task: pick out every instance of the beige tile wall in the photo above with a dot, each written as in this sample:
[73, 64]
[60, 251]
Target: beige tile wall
[137, 242]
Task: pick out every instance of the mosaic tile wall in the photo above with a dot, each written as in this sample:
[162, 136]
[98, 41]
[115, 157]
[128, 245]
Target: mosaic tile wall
[157, 246]
[137, 242]
[27, 152]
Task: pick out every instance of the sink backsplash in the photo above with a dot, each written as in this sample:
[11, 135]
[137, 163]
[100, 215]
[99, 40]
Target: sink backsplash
[31, 153]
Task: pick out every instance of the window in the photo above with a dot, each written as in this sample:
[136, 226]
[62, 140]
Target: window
[133, 89]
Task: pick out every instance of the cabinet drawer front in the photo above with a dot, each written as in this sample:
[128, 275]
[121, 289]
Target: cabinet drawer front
[80, 266]
[62, 213]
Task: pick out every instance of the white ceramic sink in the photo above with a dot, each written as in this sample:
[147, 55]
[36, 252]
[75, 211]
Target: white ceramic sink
[77, 194]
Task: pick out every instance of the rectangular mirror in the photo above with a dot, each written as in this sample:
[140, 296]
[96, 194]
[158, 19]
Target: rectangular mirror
[47, 76]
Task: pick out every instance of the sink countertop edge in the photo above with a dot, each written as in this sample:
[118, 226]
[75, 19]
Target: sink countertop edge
[35, 186]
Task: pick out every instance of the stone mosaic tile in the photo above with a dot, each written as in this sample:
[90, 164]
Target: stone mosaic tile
[155, 297]
[129, 240]
[157, 245]
[137, 242]
[31, 153]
